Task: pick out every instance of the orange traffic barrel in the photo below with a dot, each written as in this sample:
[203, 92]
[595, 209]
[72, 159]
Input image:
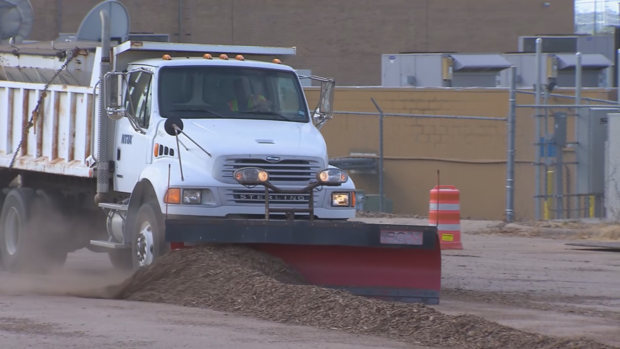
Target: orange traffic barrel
[445, 213]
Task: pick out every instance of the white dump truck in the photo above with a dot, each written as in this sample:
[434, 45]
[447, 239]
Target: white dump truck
[235, 112]
[136, 148]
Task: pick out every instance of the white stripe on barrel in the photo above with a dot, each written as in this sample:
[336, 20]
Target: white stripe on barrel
[447, 227]
[444, 207]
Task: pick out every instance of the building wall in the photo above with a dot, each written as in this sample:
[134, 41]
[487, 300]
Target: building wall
[469, 154]
[343, 39]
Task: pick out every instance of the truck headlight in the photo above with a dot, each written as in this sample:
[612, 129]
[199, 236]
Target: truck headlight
[332, 177]
[341, 199]
[192, 196]
[251, 175]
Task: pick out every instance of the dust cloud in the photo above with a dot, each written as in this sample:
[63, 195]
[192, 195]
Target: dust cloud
[41, 267]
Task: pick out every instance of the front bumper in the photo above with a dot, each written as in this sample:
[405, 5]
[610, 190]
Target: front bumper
[242, 231]
[189, 211]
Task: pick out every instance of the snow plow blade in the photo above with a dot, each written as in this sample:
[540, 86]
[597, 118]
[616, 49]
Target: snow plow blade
[390, 262]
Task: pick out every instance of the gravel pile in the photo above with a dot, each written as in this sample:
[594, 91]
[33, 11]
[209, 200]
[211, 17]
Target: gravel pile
[241, 280]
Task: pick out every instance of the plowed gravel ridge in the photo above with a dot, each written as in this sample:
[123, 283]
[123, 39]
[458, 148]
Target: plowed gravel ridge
[247, 282]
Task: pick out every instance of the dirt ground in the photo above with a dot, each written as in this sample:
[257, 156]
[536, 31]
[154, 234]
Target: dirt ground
[525, 276]
[536, 284]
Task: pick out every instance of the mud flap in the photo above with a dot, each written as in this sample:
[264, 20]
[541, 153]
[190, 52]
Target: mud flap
[390, 262]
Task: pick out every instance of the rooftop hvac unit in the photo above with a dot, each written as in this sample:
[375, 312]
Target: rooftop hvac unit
[442, 69]
[16, 20]
[586, 44]
[550, 44]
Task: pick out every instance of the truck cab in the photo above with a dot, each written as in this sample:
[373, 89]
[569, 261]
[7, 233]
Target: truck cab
[183, 126]
[239, 114]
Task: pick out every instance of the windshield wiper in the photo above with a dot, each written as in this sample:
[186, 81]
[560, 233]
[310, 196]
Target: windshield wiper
[282, 117]
[198, 109]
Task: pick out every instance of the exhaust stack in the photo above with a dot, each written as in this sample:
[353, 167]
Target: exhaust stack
[103, 161]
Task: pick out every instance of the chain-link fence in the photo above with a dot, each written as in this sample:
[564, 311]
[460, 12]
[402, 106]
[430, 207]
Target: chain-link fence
[396, 158]
[570, 177]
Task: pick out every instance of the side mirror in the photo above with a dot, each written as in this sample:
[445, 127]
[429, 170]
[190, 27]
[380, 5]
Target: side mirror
[327, 97]
[112, 87]
[325, 110]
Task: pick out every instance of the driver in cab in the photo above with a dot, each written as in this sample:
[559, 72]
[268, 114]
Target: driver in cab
[245, 99]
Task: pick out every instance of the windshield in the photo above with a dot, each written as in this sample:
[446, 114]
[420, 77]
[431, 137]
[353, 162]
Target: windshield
[231, 92]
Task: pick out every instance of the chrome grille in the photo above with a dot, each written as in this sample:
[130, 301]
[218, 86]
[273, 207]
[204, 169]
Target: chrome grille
[287, 171]
[248, 196]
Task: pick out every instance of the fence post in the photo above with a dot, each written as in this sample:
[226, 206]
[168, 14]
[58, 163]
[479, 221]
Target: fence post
[510, 156]
[579, 111]
[538, 122]
[380, 154]
[559, 138]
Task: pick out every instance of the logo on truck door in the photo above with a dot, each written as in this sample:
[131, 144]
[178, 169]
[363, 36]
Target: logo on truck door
[126, 139]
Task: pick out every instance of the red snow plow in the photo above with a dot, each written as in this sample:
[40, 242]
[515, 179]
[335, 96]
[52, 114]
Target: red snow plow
[390, 262]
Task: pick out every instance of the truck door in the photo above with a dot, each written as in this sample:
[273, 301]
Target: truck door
[133, 140]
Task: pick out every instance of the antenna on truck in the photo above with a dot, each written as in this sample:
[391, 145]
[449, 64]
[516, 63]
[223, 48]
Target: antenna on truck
[176, 135]
[172, 128]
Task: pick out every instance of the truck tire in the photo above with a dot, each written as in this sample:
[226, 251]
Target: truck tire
[23, 246]
[121, 259]
[148, 243]
[17, 241]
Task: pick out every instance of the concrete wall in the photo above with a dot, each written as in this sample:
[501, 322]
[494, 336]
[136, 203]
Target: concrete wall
[470, 154]
[343, 39]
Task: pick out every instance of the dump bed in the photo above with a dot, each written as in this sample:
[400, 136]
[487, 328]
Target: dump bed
[63, 137]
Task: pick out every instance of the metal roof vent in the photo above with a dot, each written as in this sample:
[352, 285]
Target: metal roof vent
[90, 29]
[16, 19]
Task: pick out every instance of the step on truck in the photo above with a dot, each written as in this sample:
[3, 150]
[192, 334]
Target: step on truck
[138, 148]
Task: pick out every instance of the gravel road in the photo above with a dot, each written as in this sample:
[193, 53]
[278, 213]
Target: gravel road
[531, 283]
[534, 284]
[35, 314]
[58, 322]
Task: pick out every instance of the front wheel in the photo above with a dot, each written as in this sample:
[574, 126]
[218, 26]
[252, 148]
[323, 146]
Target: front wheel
[148, 235]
